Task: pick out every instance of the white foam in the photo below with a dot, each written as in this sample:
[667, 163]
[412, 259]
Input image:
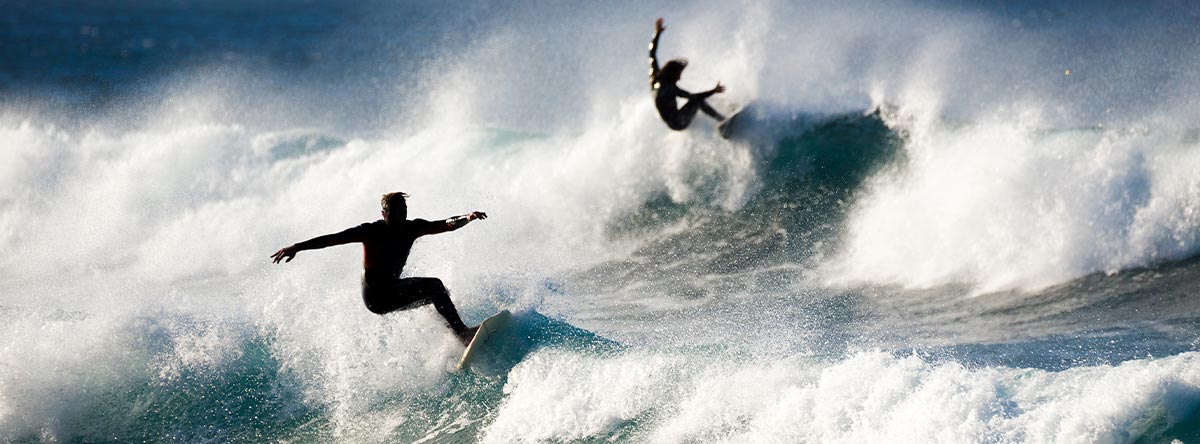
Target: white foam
[1005, 205]
[868, 397]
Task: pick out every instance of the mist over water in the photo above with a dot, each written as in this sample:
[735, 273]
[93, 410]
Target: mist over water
[945, 222]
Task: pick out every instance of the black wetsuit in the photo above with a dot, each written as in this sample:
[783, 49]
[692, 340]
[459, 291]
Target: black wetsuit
[385, 251]
[665, 94]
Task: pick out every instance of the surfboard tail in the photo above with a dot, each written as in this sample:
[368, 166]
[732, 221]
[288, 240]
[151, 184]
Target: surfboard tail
[484, 334]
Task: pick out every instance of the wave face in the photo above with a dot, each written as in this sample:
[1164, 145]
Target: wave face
[938, 222]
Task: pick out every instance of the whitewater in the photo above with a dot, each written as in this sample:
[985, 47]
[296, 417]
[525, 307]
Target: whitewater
[944, 222]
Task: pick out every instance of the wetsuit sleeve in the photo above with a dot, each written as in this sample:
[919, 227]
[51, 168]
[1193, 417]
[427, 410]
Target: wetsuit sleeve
[347, 236]
[424, 227]
[654, 58]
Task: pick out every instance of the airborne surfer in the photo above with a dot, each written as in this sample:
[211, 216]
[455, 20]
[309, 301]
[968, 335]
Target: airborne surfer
[664, 89]
[386, 244]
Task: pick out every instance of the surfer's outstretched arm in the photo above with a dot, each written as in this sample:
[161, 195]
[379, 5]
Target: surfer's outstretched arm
[716, 90]
[453, 223]
[658, 29]
[679, 92]
[344, 237]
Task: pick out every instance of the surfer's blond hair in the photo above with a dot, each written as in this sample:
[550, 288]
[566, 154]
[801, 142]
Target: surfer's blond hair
[393, 198]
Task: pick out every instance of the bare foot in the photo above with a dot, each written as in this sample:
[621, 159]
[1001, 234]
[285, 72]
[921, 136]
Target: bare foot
[467, 335]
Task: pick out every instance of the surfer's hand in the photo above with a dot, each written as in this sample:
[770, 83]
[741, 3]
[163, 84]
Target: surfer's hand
[476, 215]
[288, 252]
[719, 89]
[658, 26]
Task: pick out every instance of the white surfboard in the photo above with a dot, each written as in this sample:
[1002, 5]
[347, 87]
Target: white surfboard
[483, 335]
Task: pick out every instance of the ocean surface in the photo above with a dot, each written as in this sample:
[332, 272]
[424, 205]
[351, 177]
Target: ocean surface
[940, 222]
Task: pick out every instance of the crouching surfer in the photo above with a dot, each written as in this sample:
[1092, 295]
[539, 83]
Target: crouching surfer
[386, 244]
[665, 90]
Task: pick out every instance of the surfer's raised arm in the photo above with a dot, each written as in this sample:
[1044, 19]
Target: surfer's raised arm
[658, 29]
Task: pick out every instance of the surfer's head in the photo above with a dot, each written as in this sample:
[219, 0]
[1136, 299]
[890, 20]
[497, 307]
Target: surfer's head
[395, 208]
[672, 70]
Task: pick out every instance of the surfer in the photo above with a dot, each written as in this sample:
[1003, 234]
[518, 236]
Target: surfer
[664, 89]
[386, 244]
